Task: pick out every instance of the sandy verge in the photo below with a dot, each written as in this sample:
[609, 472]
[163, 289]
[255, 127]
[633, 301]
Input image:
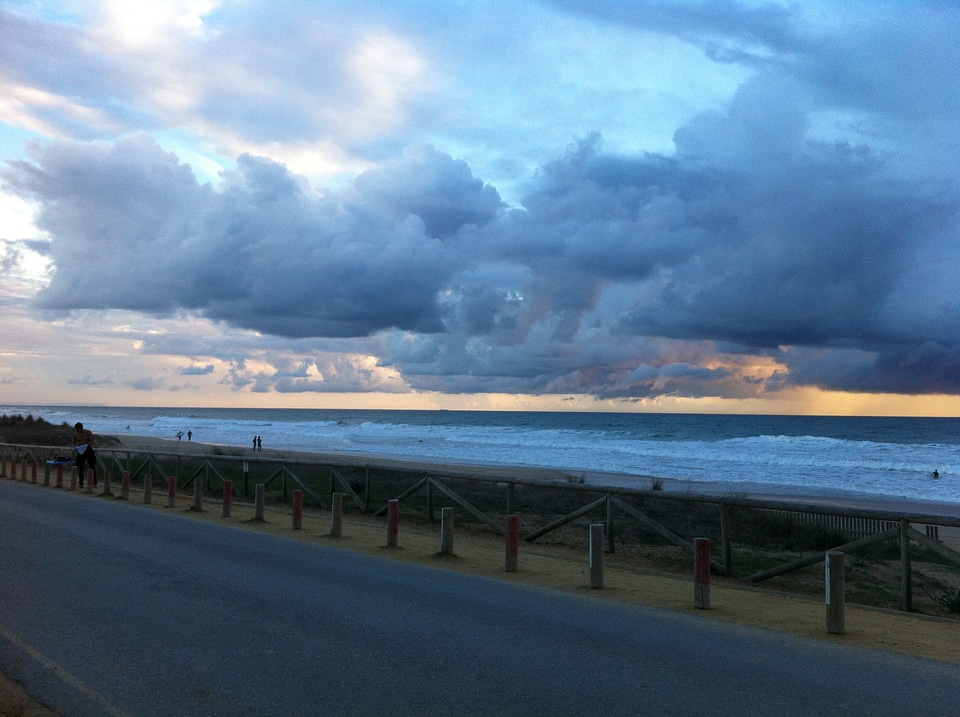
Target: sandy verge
[481, 553]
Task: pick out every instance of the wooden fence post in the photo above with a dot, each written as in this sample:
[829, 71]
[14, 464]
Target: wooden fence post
[297, 509]
[611, 547]
[701, 573]
[336, 515]
[393, 522]
[835, 599]
[725, 540]
[906, 569]
[511, 558]
[596, 555]
[446, 531]
[227, 497]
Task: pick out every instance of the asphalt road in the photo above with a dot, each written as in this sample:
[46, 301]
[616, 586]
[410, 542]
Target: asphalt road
[111, 608]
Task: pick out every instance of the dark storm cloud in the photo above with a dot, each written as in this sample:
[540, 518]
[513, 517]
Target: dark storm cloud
[133, 229]
[760, 239]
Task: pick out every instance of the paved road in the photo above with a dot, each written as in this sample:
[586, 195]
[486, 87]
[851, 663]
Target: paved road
[108, 608]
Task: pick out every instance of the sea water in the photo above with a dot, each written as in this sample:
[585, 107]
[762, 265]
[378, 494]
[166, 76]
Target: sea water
[881, 457]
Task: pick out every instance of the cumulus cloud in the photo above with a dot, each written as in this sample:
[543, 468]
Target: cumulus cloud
[133, 229]
[803, 234]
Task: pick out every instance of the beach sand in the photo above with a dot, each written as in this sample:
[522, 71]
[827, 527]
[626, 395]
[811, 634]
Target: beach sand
[480, 552]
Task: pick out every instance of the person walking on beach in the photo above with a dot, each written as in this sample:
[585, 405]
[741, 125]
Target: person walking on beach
[86, 458]
[254, 443]
[259, 444]
[190, 435]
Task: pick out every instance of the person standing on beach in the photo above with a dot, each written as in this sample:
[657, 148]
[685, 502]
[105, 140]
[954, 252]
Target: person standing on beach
[254, 443]
[259, 444]
[189, 435]
[86, 458]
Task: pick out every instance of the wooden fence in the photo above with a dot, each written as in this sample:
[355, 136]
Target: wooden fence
[370, 485]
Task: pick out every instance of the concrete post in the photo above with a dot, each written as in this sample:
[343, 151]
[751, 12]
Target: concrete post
[393, 522]
[701, 573]
[172, 493]
[336, 515]
[835, 599]
[227, 497]
[596, 556]
[147, 489]
[446, 531]
[297, 509]
[512, 543]
[260, 498]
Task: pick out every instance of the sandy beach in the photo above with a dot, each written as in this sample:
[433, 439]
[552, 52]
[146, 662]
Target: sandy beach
[480, 552]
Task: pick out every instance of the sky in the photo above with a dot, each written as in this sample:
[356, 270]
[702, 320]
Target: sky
[727, 206]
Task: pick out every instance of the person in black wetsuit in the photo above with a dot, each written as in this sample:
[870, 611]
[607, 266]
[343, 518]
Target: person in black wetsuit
[86, 458]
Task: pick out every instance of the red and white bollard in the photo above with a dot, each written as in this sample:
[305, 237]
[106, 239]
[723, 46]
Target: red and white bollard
[701, 573]
[125, 486]
[172, 493]
[60, 476]
[227, 497]
[513, 544]
[393, 522]
[297, 509]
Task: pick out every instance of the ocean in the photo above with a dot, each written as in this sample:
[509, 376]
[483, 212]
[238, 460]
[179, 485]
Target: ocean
[856, 456]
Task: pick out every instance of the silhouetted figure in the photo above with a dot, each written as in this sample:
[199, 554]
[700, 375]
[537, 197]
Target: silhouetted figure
[86, 458]
[259, 444]
[936, 473]
[189, 435]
